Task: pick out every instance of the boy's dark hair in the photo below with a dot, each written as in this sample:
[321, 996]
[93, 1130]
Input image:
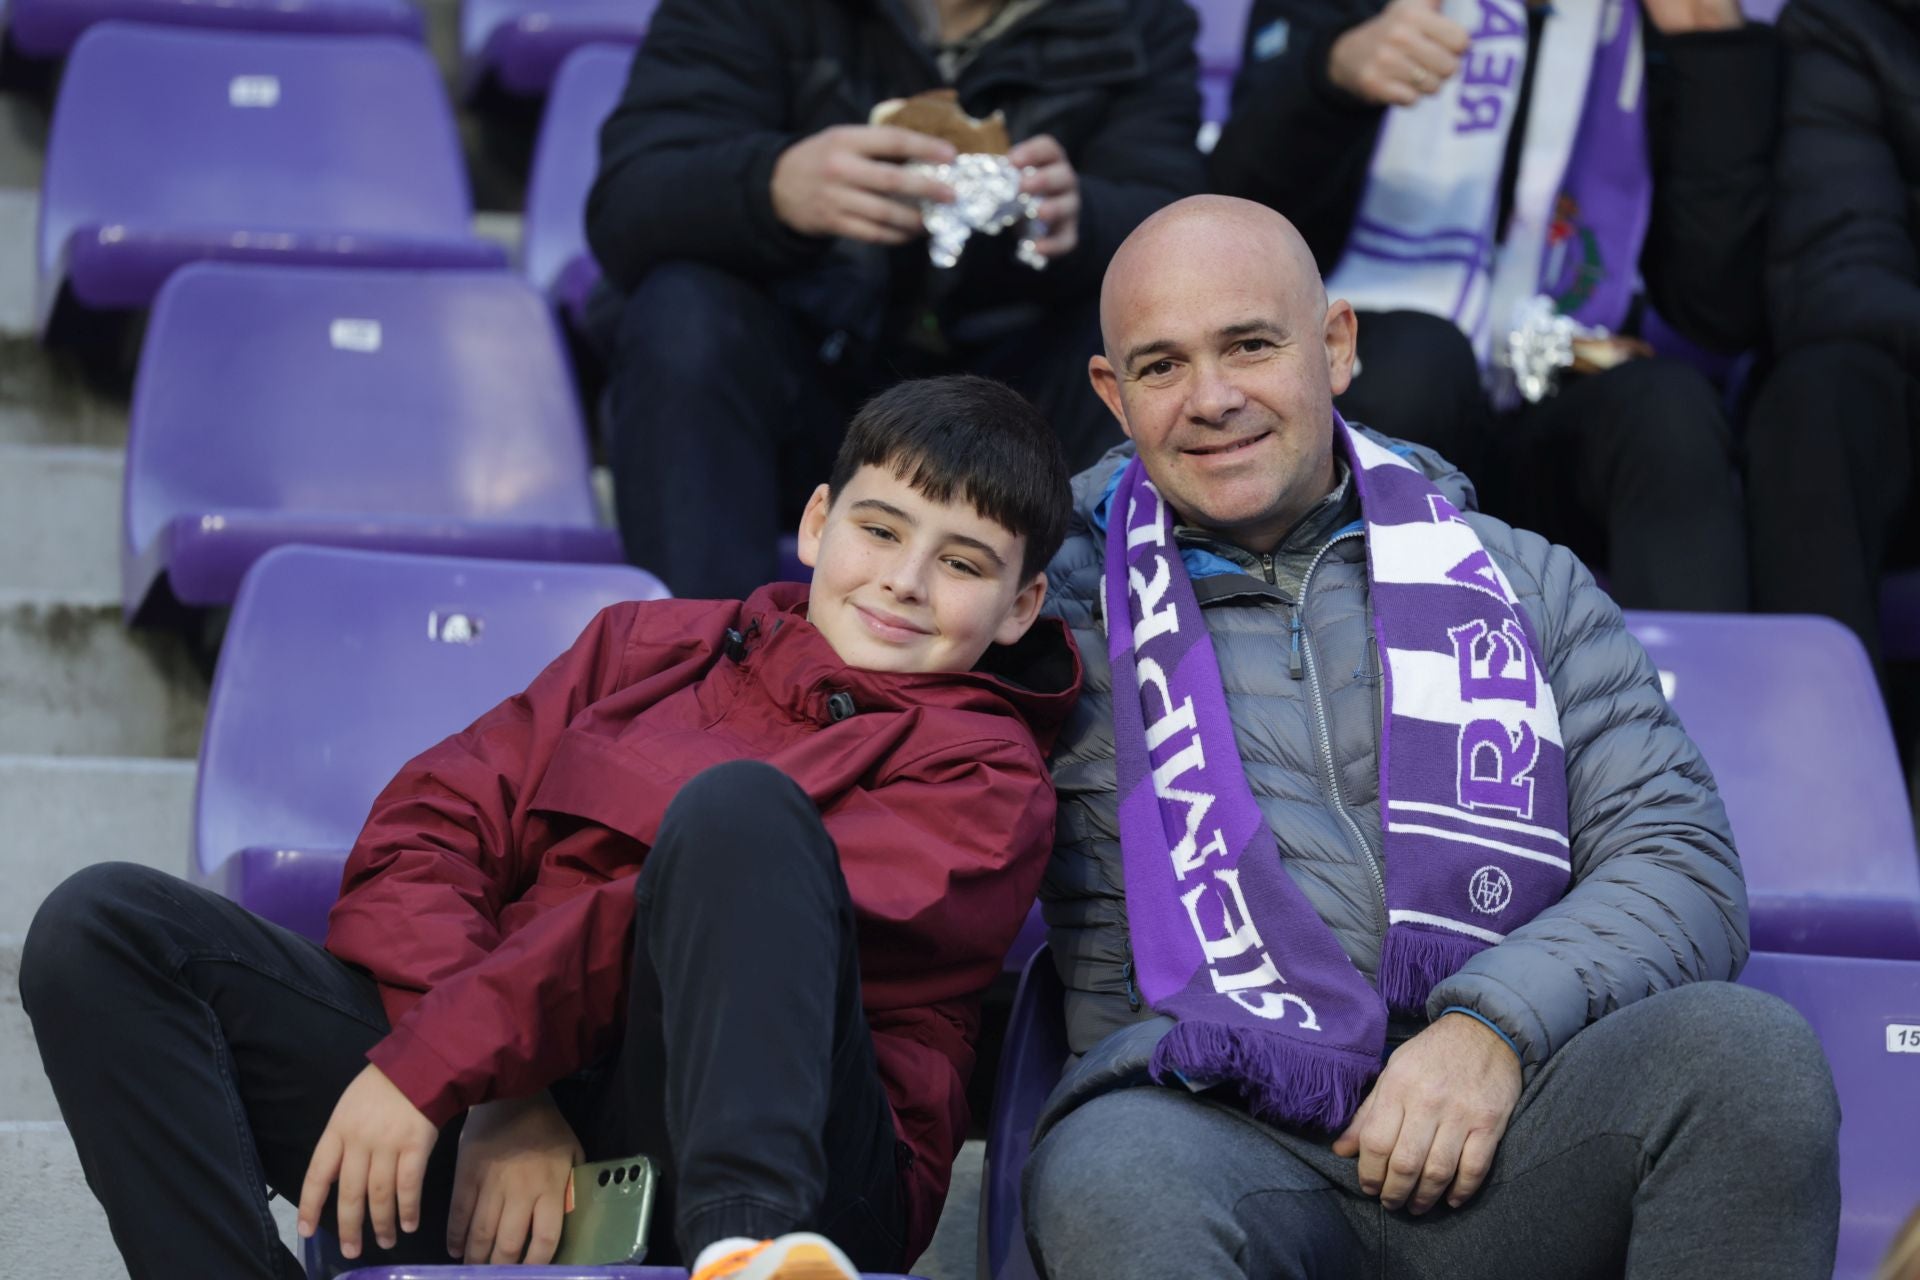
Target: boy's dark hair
[969, 437]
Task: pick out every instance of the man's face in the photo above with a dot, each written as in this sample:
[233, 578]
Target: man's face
[903, 583]
[1222, 367]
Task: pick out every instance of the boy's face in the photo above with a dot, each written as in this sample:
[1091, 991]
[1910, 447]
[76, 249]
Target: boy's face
[903, 583]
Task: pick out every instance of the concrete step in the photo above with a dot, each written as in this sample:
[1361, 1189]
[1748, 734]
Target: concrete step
[60, 521]
[956, 1241]
[24, 1091]
[75, 682]
[49, 1220]
[65, 813]
[46, 397]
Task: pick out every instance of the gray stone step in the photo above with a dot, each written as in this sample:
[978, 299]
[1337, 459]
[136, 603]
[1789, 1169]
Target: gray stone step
[956, 1241]
[49, 1221]
[60, 521]
[64, 813]
[46, 399]
[24, 1091]
[75, 682]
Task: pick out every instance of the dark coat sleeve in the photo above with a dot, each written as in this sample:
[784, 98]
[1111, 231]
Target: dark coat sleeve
[1712, 112]
[1295, 142]
[1143, 155]
[686, 159]
[1844, 252]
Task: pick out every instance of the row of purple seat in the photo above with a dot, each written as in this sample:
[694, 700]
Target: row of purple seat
[515, 45]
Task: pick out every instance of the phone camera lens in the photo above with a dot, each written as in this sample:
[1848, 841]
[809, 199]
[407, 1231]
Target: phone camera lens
[619, 1175]
[606, 1176]
[633, 1171]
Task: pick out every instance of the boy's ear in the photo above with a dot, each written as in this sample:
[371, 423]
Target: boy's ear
[1026, 607]
[813, 523]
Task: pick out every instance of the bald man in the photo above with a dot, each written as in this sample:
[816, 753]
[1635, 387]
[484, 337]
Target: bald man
[1495, 1036]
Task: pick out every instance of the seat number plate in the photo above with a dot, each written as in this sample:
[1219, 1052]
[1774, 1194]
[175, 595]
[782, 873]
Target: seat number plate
[1903, 1037]
[354, 335]
[253, 91]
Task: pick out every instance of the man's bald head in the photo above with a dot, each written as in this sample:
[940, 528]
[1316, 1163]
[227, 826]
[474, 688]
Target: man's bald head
[1222, 359]
[1208, 234]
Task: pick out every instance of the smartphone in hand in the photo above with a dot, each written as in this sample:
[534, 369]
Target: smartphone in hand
[609, 1208]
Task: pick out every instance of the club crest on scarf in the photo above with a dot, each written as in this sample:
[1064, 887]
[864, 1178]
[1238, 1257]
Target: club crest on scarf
[1472, 787]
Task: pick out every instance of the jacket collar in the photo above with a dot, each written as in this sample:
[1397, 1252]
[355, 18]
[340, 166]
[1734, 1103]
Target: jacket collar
[790, 664]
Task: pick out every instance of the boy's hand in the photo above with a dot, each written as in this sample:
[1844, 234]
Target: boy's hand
[510, 1185]
[376, 1145]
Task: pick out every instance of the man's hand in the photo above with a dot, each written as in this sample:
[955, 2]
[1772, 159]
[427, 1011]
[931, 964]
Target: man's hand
[851, 180]
[376, 1144]
[1058, 187]
[1400, 55]
[1677, 17]
[1435, 1117]
[510, 1186]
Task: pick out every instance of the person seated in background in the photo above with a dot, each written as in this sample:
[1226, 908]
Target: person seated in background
[1455, 164]
[722, 886]
[767, 247]
[1396, 911]
[1832, 434]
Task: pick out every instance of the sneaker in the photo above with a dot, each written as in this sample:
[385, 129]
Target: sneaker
[799, 1255]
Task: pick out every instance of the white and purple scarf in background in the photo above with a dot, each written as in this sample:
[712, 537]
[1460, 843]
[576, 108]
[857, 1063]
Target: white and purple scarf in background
[1424, 238]
[1472, 799]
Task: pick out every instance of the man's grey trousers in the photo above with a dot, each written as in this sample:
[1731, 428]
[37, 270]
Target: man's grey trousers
[1693, 1133]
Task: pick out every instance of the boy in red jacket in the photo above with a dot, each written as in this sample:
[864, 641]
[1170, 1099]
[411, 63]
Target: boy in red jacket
[723, 887]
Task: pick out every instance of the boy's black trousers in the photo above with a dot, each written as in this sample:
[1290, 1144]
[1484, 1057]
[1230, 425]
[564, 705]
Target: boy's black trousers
[197, 1051]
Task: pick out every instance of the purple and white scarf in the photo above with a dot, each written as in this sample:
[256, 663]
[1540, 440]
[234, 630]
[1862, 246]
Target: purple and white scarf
[1424, 235]
[1472, 801]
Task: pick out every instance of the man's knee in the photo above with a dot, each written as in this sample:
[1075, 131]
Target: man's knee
[688, 321]
[1752, 1061]
[61, 958]
[1806, 397]
[1125, 1169]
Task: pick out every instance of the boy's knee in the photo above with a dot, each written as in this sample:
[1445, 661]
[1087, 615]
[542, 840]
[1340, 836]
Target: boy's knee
[732, 814]
[58, 956]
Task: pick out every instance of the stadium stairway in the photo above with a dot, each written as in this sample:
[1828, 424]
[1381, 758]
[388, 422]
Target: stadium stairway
[99, 727]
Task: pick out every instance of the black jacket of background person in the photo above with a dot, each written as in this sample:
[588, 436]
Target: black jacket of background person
[721, 87]
[1844, 257]
[1303, 146]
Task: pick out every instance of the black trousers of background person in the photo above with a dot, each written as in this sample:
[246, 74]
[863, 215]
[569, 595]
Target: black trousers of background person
[1633, 468]
[726, 412]
[1830, 460]
[197, 1050]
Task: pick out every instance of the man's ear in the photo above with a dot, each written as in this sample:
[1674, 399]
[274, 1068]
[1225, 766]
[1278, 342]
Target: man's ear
[1026, 607]
[813, 523]
[1106, 385]
[1343, 329]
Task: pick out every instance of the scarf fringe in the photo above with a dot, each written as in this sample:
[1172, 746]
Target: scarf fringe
[1413, 961]
[1283, 1080]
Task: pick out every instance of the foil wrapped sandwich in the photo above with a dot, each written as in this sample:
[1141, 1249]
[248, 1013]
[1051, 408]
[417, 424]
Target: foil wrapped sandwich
[987, 196]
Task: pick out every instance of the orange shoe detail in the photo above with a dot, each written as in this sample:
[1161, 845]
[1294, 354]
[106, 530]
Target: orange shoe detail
[801, 1256]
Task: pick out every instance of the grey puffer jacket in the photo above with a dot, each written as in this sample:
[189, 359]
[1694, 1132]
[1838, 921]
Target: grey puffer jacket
[1657, 899]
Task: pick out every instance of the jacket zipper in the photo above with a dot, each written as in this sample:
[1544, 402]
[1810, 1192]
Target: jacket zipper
[1324, 735]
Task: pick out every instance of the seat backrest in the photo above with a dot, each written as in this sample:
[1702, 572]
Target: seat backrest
[163, 127]
[1788, 714]
[340, 666]
[431, 395]
[1032, 1056]
[1867, 1015]
[567, 157]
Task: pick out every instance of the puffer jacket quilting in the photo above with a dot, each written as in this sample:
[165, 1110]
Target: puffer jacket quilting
[1658, 897]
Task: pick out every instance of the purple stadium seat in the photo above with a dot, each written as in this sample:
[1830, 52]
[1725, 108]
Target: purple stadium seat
[1788, 714]
[169, 146]
[519, 45]
[564, 163]
[1031, 1059]
[1900, 615]
[48, 28]
[1851, 1003]
[340, 666]
[404, 411]
[1857, 1007]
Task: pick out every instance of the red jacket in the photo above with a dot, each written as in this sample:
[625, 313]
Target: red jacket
[490, 893]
